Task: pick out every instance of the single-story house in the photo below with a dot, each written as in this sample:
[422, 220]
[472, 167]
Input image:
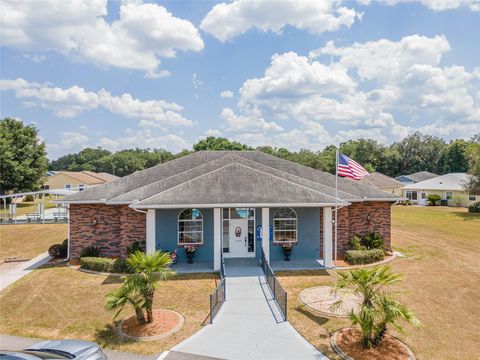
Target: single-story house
[450, 188]
[382, 182]
[77, 180]
[415, 177]
[230, 204]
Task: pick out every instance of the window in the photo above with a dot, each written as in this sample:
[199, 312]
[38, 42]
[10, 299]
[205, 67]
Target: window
[190, 227]
[284, 226]
[68, 186]
[449, 195]
[472, 197]
[81, 187]
[411, 195]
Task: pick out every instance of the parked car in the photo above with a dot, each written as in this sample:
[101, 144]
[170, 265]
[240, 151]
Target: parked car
[57, 349]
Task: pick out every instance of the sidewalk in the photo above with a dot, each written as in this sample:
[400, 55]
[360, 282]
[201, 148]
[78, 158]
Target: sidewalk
[247, 326]
[11, 272]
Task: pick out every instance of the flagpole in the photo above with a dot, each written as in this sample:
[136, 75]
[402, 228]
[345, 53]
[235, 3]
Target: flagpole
[336, 211]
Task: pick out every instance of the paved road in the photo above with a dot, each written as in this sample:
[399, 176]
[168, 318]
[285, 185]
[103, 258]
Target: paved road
[249, 325]
[11, 272]
[9, 342]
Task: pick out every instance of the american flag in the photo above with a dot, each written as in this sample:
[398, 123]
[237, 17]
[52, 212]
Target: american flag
[350, 168]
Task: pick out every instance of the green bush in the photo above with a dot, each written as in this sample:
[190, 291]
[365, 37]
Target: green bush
[433, 199]
[103, 264]
[29, 198]
[356, 257]
[458, 201]
[373, 240]
[90, 251]
[136, 246]
[59, 250]
[356, 243]
[474, 208]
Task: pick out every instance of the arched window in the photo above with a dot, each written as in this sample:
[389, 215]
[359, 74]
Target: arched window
[190, 227]
[285, 226]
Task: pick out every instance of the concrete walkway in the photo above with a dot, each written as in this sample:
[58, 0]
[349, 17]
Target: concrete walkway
[248, 326]
[11, 272]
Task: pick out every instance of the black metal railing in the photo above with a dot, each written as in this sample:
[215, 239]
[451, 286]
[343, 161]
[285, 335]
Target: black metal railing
[279, 294]
[219, 295]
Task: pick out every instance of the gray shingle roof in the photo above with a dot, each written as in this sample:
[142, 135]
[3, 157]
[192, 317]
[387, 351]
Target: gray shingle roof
[170, 182]
[379, 180]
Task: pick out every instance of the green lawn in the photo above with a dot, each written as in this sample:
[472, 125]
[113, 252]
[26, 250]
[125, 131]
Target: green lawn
[29, 240]
[441, 284]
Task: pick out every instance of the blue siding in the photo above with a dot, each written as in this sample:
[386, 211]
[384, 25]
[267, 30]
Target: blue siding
[166, 234]
[308, 236]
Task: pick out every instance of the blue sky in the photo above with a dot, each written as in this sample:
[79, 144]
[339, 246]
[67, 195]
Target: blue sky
[287, 74]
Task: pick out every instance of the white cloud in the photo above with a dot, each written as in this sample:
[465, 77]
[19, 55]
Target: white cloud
[379, 89]
[75, 100]
[436, 5]
[228, 20]
[137, 40]
[227, 94]
[212, 132]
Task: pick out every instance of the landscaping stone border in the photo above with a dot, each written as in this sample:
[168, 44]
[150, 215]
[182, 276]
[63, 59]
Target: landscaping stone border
[384, 261]
[326, 313]
[344, 356]
[154, 337]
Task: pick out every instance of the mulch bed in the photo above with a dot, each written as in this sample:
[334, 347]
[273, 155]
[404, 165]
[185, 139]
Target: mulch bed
[165, 322]
[349, 340]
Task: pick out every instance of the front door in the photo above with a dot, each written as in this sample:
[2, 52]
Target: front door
[238, 241]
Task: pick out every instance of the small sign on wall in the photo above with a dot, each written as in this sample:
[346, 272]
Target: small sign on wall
[259, 233]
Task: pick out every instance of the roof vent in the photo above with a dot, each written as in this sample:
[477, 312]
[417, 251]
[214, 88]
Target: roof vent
[441, 182]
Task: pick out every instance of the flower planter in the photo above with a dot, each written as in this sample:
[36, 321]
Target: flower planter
[190, 257]
[287, 252]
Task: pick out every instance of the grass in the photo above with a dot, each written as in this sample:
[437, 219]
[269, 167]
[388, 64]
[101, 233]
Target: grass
[59, 302]
[441, 284]
[28, 241]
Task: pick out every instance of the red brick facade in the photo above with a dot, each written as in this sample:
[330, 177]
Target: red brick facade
[110, 228]
[360, 218]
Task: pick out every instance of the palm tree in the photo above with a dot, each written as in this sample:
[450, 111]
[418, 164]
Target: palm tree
[148, 271]
[138, 289]
[378, 308]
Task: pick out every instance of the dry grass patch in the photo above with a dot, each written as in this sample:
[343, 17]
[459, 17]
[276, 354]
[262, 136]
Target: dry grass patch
[26, 207]
[59, 302]
[441, 284]
[30, 240]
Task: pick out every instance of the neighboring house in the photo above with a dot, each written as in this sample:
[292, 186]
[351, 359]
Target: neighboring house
[230, 203]
[450, 188]
[416, 177]
[76, 179]
[382, 182]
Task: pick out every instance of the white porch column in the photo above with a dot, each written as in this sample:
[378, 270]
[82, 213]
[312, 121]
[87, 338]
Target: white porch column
[266, 232]
[150, 248]
[217, 240]
[327, 237]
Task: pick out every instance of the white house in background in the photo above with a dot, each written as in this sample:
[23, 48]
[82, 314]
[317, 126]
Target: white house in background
[449, 187]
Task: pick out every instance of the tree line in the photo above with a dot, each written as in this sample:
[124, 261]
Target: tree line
[23, 159]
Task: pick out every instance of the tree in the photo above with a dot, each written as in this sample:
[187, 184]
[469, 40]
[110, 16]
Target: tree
[454, 157]
[378, 309]
[473, 155]
[84, 160]
[23, 160]
[219, 143]
[139, 288]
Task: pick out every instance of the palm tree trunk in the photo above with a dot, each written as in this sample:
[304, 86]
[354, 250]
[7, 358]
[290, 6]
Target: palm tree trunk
[148, 307]
[139, 314]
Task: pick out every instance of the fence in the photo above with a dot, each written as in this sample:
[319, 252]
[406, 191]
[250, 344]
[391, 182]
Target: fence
[219, 295]
[279, 294]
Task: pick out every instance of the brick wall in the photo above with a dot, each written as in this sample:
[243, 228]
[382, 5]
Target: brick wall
[360, 218]
[110, 228]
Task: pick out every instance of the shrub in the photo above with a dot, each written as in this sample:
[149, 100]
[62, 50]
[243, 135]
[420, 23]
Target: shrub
[433, 199]
[458, 201]
[59, 250]
[474, 208]
[29, 198]
[136, 246]
[97, 264]
[356, 257]
[356, 243]
[90, 251]
[120, 265]
[373, 240]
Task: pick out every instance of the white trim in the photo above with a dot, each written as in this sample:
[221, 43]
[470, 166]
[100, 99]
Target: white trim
[327, 237]
[217, 241]
[226, 205]
[151, 232]
[101, 201]
[189, 220]
[266, 232]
